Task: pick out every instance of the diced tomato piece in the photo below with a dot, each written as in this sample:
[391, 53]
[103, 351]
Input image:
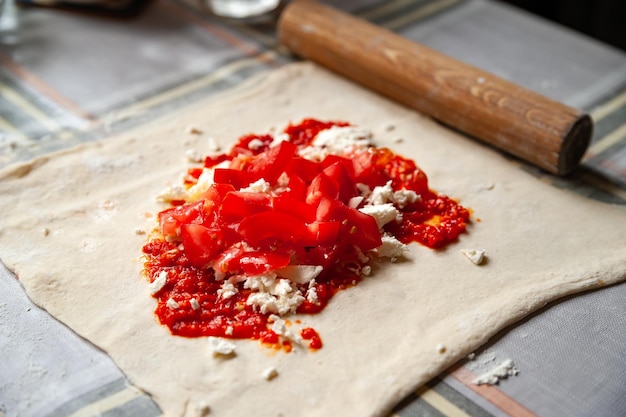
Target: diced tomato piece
[303, 168]
[200, 243]
[216, 193]
[284, 203]
[326, 233]
[238, 205]
[271, 227]
[363, 230]
[259, 262]
[271, 163]
[345, 185]
[416, 181]
[321, 187]
[171, 219]
[228, 260]
[346, 163]
[329, 209]
[211, 161]
[297, 187]
[238, 179]
[366, 171]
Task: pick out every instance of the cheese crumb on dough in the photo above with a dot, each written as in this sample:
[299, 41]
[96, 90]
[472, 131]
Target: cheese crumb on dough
[504, 370]
[391, 248]
[477, 256]
[270, 373]
[193, 155]
[172, 193]
[220, 346]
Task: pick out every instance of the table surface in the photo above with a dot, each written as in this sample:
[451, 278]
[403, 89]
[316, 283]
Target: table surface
[68, 78]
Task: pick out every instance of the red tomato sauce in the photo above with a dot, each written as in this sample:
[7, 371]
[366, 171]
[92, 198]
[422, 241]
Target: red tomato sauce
[307, 221]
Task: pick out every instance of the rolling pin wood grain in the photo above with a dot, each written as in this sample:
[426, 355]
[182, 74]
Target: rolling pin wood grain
[544, 132]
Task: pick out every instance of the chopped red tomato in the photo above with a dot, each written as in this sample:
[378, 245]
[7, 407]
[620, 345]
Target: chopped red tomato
[200, 243]
[271, 163]
[238, 205]
[270, 228]
[173, 218]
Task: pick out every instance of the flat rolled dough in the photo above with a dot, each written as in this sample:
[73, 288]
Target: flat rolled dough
[68, 231]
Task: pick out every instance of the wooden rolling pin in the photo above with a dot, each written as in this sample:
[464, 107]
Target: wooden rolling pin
[544, 132]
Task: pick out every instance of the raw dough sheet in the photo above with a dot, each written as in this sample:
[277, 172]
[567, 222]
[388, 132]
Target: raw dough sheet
[68, 225]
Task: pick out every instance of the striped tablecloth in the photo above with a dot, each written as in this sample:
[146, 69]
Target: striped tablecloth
[69, 77]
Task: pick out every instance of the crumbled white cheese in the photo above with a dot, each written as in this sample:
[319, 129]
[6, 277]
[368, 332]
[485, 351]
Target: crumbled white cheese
[477, 256]
[255, 144]
[172, 193]
[279, 326]
[300, 274]
[229, 331]
[402, 198]
[366, 270]
[221, 346]
[227, 290]
[381, 194]
[391, 248]
[213, 145]
[270, 373]
[280, 137]
[313, 153]
[273, 294]
[172, 304]
[158, 283]
[193, 155]
[382, 213]
[194, 303]
[504, 370]
[354, 202]
[311, 296]
[385, 194]
[337, 140]
[259, 186]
